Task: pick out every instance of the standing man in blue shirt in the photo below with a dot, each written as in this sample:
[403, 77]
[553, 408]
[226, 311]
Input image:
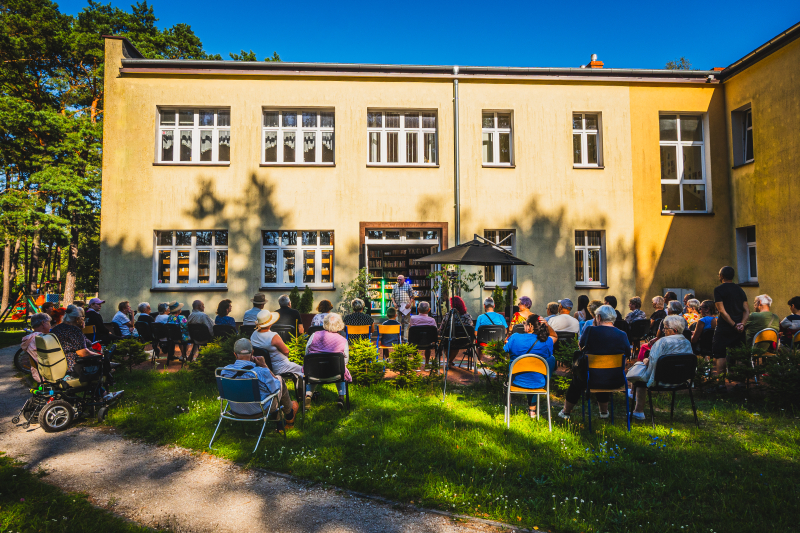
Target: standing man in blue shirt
[403, 301]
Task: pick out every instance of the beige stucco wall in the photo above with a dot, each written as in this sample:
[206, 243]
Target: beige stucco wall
[765, 191]
[542, 197]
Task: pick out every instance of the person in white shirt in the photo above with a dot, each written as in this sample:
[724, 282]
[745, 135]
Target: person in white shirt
[124, 318]
[564, 321]
[251, 315]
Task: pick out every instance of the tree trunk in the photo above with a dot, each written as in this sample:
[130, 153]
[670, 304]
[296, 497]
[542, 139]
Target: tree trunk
[34, 275]
[46, 266]
[6, 275]
[72, 264]
[58, 266]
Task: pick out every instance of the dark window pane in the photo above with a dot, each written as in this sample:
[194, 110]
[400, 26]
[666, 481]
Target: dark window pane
[309, 147]
[206, 143]
[183, 238]
[580, 238]
[326, 120]
[270, 119]
[591, 148]
[429, 120]
[224, 145]
[309, 119]
[270, 266]
[694, 197]
[203, 266]
[326, 266]
[488, 274]
[668, 127]
[392, 120]
[391, 147]
[309, 238]
[289, 119]
[221, 238]
[374, 120]
[224, 118]
[167, 117]
[748, 146]
[270, 146]
[751, 251]
[222, 266]
[506, 273]
[594, 265]
[393, 235]
[309, 266]
[375, 234]
[288, 147]
[751, 234]
[411, 147]
[326, 238]
[186, 145]
[591, 122]
[327, 147]
[289, 238]
[669, 163]
[164, 238]
[670, 197]
[503, 235]
[578, 265]
[429, 148]
[413, 235]
[288, 266]
[163, 266]
[576, 149]
[490, 234]
[206, 118]
[577, 122]
[505, 147]
[186, 118]
[488, 147]
[374, 147]
[412, 120]
[203, 238]
[183, 266]
[430, 235]
[167, 143]
[692, 162]
[504, 120]
[270, 238]
[593, 238]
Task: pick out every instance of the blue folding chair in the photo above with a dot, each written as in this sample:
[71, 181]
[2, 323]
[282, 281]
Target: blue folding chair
[244, 394]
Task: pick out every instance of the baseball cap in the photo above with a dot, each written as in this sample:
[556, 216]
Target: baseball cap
[96, 301]
[566, 303]
[243, 347]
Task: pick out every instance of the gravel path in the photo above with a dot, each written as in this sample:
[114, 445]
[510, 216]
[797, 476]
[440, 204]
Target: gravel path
[174, 488]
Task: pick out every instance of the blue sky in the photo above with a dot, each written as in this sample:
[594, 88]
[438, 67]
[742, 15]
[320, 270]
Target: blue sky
[513, 33]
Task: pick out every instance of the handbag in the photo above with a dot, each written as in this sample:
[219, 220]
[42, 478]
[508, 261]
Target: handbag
[638, 372]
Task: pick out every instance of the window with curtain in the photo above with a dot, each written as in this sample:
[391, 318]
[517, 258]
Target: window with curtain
[297, 258]
[202, 136]
[190, 258]
[402, 138]
[297, 137]
[589, 257]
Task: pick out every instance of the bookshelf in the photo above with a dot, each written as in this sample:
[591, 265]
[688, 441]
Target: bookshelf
[386, 262]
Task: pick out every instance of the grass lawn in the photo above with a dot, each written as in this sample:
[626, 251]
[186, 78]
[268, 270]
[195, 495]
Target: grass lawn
[29, 504]
[739, 471]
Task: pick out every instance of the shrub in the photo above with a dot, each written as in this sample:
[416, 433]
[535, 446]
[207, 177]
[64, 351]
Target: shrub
[306, 301]
[405, 361]
[499, 364]
[130, 353]
[213, 355]
[739, 363]
[704, 376]
[294, 296]
[499, 300]
[564, 354]
[357, 288]
[297, 348]
[782, 377]
[363, 363]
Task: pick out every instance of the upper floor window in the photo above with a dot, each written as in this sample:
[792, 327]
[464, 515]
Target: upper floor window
[402, 138]
[683, 175]
[742, 135]
[298, 137]
[191, 258]
[589, 257]
[297, 258]
[586, 140]
[194, 136]
[496, 138]
[500, 275]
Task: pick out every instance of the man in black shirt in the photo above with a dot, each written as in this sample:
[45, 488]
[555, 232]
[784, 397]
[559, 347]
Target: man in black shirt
[289, 316]
[731, 303]
[93, 318]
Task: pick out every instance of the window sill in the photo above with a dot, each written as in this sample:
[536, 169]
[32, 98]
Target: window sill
[740, 165]
[324, 165]
[381, 165]
[285, 288]
[749, 284]
[189, 289]
[689, 213]
[192, 164]
[498, 166]
[583, 167]
[584, 287]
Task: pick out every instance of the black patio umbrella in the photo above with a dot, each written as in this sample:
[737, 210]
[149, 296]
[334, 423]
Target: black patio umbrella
[474, 252]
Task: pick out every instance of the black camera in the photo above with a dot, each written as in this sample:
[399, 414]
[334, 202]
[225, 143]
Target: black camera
[452, 274]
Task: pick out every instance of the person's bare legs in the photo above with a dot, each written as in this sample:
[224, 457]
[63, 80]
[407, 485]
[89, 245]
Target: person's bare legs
[640, 397]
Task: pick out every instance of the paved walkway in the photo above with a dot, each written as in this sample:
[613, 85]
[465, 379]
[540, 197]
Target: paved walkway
[171, 487]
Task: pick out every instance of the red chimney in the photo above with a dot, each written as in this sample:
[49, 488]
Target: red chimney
[594, 63]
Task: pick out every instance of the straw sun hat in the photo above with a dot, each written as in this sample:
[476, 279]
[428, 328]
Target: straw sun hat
[266, 318]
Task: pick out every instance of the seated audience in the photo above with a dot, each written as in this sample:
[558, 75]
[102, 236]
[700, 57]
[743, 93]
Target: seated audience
[40, 323]
[675, 309]
[791, 324]
[524, 312]
[670, 296]
[581, 315]
[389, 339]
[686, 297]
[199, 316]
[564, 321]
[691, 311]
[251, 315]
[760, 318]
[552, 311]
[488, 318]
[223, 317]
[602, 339]
[619, 323]
[70, 335]
[659, 314]
[329, 341]
[424, 319]
[175, 317]
[94, 318]
[272, 343]
[124, 319]
[673, 342]
[144, 313]
[49, 308]
[357, 318]
[461, 323]
[706, 321]
[268, 383]
[538, 339]
[635, 305]
[288, 316]
[163, 313]
[591, 309]
[324, 307]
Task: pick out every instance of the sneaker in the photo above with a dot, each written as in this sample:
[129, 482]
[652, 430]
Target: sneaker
[114, 366]
[638, 416]
[563, 415]
[340, 403]
[113, 395]
[605, 415]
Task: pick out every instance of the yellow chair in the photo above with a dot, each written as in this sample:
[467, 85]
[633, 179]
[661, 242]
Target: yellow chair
[525, 364]
[358, 330]
[765, 335]
[90, 332]
[387, 330]
[603, 367]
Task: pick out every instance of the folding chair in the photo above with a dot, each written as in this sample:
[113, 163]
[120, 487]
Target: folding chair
[386, 330]
[160, 331]
[247, 330]
[245, 394]
[114, 328]
[485, 335]
[324, 368]
[706, 344]
[297, 381]
[223, 330]
[673, 372]
[358, 330]
[604, 367]
[767, 335]
[146, 335]
[90, 332]
[314, 329]
[536, 381]
[655, 327]
[638, 331]
[284, 332]
[174, 337]
[519, 328]
[424, 337]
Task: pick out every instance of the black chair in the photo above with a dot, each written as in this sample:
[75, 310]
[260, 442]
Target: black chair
[487, 334]
[154, 314]
[314, 329]
[463, 339]
[160, 331]
[247, 330]
[622, 325]
[146, 333]
[637, 332]
[299, 387]
[284, 332]
[186, 313]
[199, 334]
[423, 337]
[564, 337]
[223, 330]
[519, 328]
[174, 338]
[706, 344]
[673, 372]
[114, 328]
[655, 327]
[323, 368]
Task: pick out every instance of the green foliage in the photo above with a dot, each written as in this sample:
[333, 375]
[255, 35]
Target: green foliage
[462, 283]
[251, 56]
[29, 504]
[295, 297]
[739, 363]
[213, 355]
[297, 348]
[704, 376]
[499, 300]
[363, 364]
[306, 301]
[679, 64]
[130, 352]
[405, 360]
[565, 353]
[357, 288]
[782, 377]
[499, 364]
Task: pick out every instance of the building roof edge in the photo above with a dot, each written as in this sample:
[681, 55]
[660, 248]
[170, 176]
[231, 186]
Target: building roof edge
[763, 51]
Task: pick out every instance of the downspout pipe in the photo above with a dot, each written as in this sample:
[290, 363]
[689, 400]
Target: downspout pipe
[457, 176]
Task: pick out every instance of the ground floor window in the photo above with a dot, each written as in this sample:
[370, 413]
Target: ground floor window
[297, 258]
[500, 275]
[589, 257]
[190, 258]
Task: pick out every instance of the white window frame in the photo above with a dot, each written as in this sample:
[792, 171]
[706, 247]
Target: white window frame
[679, 144]
[193, 259]
[495, 131]
[299, 130]
[298, 249]
[584, 133]
[383, 131]
[196, 128]
[584, 249]
[508, 244]
[752, 246]
[747, 132]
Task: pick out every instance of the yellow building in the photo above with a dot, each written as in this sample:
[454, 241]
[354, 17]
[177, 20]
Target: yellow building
[222, 178]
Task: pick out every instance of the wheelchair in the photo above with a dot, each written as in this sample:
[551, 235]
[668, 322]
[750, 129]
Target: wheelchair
[58, 401]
